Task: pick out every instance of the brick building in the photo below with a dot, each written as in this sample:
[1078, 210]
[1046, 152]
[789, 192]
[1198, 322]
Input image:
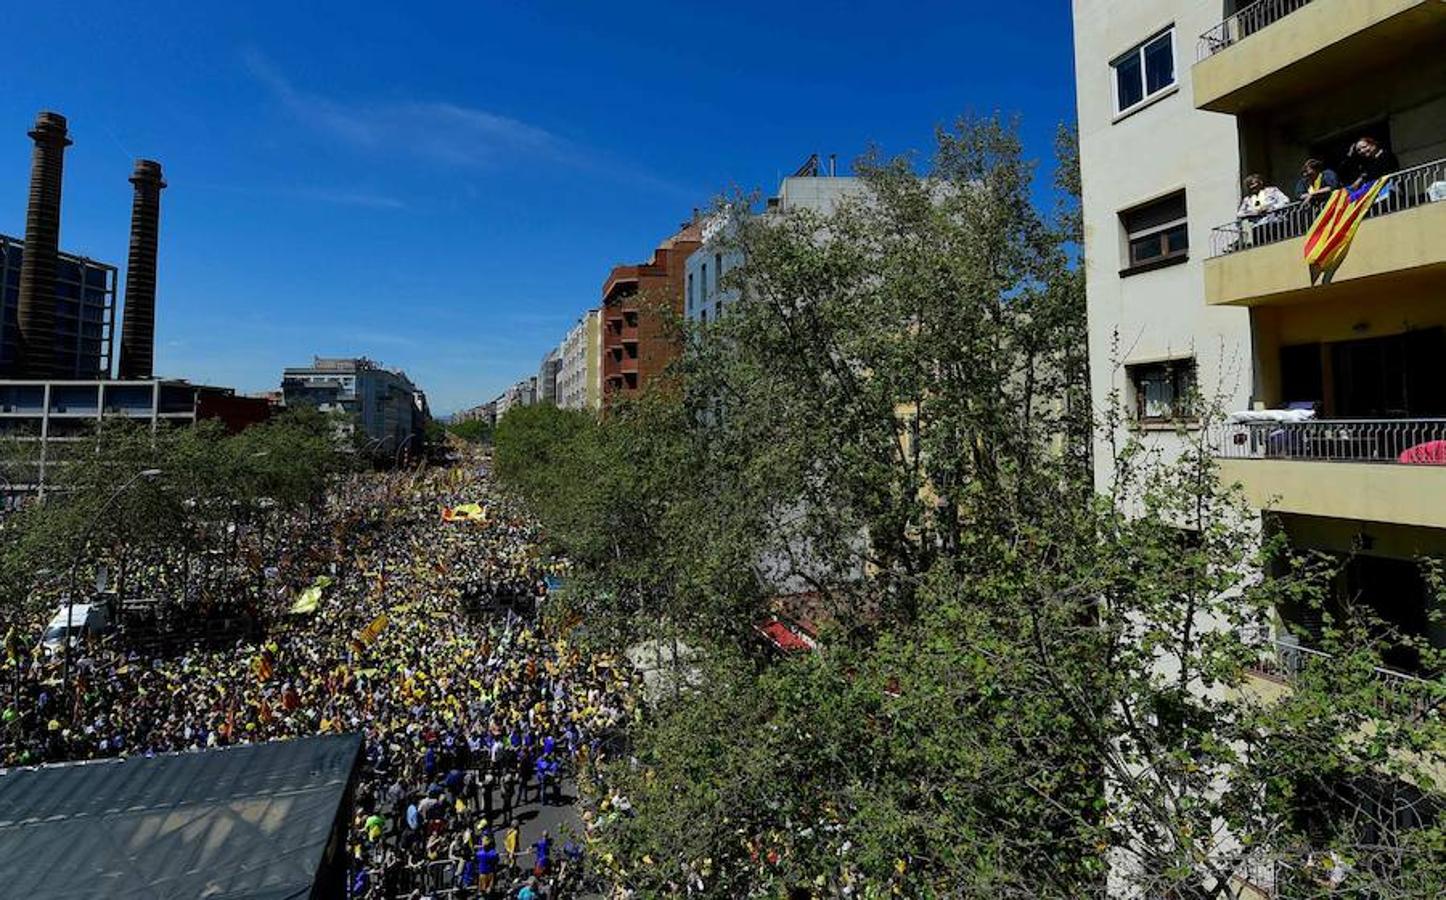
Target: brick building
[638, 340]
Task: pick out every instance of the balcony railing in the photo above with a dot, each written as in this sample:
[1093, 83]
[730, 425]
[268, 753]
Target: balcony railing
[1406, 189]
[1243, 24]
[1284, 660]
[1400, 441]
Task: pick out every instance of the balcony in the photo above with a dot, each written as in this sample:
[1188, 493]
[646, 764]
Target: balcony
[1280, 662]
[1373, 470]
[1401, 244]
[1274, 52]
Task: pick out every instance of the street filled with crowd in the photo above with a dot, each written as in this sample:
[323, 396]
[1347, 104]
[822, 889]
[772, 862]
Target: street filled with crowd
[379, 615]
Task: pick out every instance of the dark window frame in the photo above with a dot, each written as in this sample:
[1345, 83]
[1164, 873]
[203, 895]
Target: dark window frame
[1180, 375]
[1159, 227]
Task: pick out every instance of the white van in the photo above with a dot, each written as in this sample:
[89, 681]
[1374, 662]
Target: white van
[85, 619]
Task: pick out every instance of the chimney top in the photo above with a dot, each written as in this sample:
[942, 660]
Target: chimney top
[50, 128]
[147, 171]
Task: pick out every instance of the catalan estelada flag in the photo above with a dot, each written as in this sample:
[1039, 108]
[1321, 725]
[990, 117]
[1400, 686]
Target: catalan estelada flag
[1329, 238]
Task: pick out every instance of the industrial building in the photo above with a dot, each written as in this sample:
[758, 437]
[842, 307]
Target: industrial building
[57, 332]
[85, 293]
[638, 339]
[378, 408]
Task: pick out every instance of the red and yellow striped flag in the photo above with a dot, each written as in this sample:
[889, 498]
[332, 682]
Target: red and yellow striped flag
[1329, 238]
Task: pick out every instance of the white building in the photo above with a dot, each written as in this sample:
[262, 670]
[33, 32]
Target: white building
[579, 377]
[381, 403]
[1158, 175]
[704, 297]
[523, 393]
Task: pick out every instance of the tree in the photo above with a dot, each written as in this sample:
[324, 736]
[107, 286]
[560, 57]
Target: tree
[1022, 689]
[211, 486]
[473, 431]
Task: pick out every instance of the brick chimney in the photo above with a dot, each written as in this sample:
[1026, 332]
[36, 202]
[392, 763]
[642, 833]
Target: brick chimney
[138, 328]
[36, 344]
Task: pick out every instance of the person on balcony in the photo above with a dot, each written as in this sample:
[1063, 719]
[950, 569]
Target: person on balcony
[1316, 183]
[1367, 161]
[1260, 208]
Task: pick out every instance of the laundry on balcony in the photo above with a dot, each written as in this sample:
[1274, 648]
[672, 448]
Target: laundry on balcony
[1389, 441]
[1430, 453]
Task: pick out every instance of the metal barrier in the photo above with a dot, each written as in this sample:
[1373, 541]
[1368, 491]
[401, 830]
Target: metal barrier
[1284, 660]
[1406, 189]
[1243, 24]
[1334, 440]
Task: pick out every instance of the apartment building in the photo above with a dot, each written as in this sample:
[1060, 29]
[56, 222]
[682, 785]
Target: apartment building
[638, 341]
[1336, 413]
[523, 393]
[382, 404]
[547, 376]
[811, 188]
[579, 378]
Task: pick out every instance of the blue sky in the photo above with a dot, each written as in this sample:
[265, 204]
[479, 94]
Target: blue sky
[444, 186]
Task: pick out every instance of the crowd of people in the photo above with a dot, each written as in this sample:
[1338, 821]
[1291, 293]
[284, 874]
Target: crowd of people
[467, 715]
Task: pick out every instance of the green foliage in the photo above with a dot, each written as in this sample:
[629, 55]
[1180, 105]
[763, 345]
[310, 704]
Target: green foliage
[474, 431]
[1022, 689]
[95, 506]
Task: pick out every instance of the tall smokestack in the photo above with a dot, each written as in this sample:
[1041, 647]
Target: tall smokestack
[36, 344]
[138, 329]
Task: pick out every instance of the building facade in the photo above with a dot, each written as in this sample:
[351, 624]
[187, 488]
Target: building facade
[58, 416]
[523, 393]
[638, 341]
[85, 313]
[483, 412]
[1329, 383]
[1334, 414]
[1159, 174]
[579, 378]
[706, 293]
[547, 376]
[378, 406]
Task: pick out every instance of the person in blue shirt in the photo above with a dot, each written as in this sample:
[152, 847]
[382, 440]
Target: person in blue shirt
[488, 861]
[541, 850]
[543, 772]
[528, 891]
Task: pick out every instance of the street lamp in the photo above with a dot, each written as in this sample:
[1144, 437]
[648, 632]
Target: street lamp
[398, 461]
[75, 565]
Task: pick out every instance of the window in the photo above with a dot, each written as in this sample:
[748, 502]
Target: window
[1156, 234]
[704, 287]
[705, 317]
[690, 290]
[717, 271]
[1145, 72]
[1163, 390]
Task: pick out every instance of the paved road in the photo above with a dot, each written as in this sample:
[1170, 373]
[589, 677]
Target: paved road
[534, 818]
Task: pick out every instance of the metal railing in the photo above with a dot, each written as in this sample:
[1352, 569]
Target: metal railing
[1284, 660]
[1399, 441]
[1243, 24]
[1406, 189]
